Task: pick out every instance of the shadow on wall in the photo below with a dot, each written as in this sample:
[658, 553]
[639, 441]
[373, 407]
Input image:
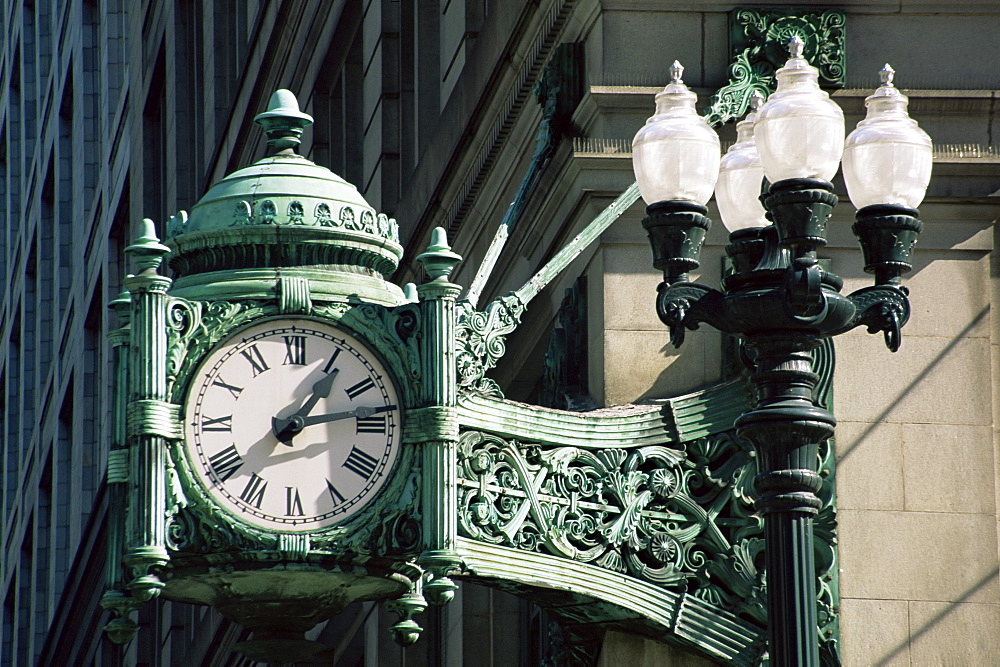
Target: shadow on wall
[937, 618]
[844, 453]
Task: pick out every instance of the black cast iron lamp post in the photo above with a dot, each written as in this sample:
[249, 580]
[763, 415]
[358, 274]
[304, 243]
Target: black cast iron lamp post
[779, 300]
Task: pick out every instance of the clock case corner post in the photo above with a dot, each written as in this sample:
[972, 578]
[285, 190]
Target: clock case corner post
[438, 400]
[149, 422]
[121, 628]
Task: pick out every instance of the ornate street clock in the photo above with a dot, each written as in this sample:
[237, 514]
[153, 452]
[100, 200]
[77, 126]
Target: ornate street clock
[291, 425]
[276, 416]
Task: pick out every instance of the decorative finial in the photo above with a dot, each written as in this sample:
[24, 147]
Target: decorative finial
[675, 72]
[756, 100]
[438, 260]
[283, 122]
[440, 590]
[147, 251]
[886, 74]
[176, 224]
[796, 46]
[120, 305]
[406, 631]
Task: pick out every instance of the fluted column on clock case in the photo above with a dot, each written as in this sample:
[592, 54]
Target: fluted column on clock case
[439, 417]
[149, 418]
[121, 628]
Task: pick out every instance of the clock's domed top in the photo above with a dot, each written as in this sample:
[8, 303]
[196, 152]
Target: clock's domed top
[286, 214]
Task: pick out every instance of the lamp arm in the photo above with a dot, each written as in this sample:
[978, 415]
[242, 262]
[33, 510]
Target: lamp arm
[884, 308]
[686, 305]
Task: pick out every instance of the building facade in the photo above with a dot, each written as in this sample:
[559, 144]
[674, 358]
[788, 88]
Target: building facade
[112, 111]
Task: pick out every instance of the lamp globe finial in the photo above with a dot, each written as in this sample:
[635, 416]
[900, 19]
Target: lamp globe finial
[796, 46]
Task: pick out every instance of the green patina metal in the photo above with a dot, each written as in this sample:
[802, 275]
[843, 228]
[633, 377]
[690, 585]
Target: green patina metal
[121, 627]
[564, 381]
[757, 44]
[660, 494]
[660, 534]
[637, 517]
[284, 218]
[146, 419]
[558, 91]
[301, 241]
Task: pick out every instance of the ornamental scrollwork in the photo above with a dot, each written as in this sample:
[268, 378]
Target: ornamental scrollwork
[884, 308]
[242, 214]
[193, 328]
[268, 212]
[480, 337]
[323, 215]
[193, 531]
[367, 223]
[193, 527]
[296, 212]
[759, 39]
[392, 331]
[680, 518]
[183, 319]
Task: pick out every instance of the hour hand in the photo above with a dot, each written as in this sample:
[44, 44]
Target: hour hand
[321, 389]
[285, 429]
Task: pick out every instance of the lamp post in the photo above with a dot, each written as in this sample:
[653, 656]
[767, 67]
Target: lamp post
[779, 299]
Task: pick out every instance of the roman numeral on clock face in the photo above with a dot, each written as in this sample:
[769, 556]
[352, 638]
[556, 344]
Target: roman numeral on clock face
[361, 463]
[356, 390]
[334, 493]
[253, 493]
[376, 424]
[256, 359]
[217, 424]
[225, 463]
[234, 390]
[293, 504]
[259, 400]
[295, 350]
[331, 361]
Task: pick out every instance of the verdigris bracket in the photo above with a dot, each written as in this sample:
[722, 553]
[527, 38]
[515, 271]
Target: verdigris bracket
[758, 40]
[558, 92]
[638, 516]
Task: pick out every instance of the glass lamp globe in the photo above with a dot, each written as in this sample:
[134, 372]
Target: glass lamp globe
[887, 158]
[676, 154]
[740, 177]
[799, 130]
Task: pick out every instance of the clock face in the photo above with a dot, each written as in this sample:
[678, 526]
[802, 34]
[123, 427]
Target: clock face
[292, 425]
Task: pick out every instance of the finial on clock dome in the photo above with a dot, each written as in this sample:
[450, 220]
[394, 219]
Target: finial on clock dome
[283, 122]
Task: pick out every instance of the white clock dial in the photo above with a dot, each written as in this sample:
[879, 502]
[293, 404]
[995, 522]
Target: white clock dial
[292, 425]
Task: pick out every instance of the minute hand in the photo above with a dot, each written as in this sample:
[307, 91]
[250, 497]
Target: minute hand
[360, 413]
